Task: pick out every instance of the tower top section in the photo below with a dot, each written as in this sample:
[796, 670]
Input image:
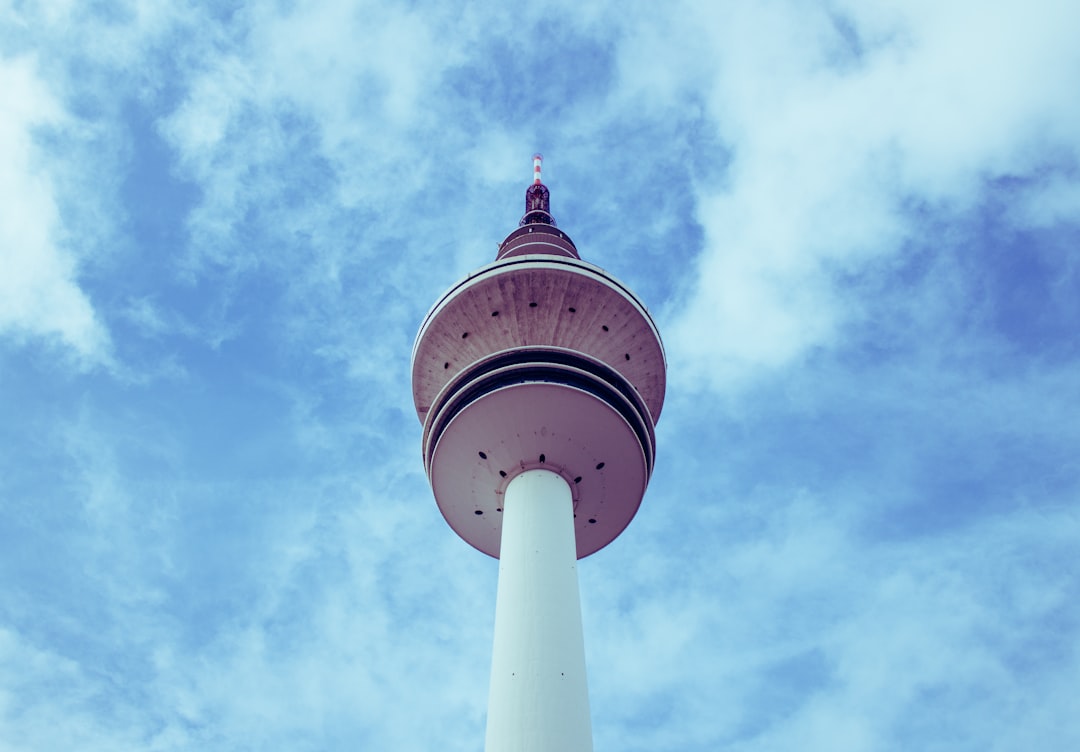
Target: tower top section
[537, 199]
[537, 231]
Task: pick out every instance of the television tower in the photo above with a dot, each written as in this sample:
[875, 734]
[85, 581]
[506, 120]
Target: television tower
[538, 380]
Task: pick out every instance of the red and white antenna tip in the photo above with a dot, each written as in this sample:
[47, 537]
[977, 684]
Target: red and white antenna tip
[537, 159]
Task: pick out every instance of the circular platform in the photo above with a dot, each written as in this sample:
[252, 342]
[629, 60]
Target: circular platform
[538, 300]
[538, 361]
[528, 425]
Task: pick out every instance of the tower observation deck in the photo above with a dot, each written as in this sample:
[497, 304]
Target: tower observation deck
[538, 360]
[541, 362]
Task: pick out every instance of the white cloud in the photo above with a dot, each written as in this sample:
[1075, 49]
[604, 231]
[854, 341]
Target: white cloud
[927, 104]
[47, 702]
[39, 289]
[354, 82]
[806, 633]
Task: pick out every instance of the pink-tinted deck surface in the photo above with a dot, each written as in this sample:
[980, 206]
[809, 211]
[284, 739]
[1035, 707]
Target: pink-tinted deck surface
[508, 431]
[538, 300]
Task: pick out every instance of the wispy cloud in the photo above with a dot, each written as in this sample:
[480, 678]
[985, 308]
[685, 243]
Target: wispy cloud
[840, 123]
[39, 289]
[856, 227]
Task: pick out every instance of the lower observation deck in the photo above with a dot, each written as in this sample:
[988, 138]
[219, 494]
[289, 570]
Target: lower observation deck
[545, 426]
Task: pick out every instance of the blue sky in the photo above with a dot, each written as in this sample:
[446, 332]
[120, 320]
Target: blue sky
[855, 224]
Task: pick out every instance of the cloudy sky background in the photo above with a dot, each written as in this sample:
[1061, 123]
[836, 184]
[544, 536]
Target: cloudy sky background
[857, 226]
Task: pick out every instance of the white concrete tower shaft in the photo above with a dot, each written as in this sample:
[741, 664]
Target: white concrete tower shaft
[539, 698]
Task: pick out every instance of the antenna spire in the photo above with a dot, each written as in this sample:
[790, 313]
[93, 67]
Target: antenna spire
[537, 199]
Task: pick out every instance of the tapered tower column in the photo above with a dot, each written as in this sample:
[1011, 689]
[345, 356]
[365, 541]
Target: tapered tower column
[539, 698]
